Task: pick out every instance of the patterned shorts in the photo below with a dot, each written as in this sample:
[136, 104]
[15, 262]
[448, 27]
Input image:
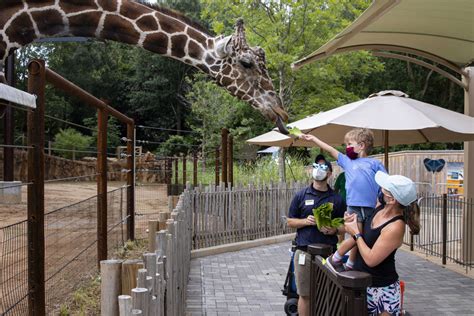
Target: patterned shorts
[387, 298]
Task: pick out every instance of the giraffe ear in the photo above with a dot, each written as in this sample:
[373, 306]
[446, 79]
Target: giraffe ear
[221, 46]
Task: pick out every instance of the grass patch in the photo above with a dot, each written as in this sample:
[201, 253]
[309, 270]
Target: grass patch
[86, 299]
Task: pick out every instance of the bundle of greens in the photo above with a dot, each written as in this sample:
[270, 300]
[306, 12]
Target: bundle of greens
[322, 216]
[295, 131]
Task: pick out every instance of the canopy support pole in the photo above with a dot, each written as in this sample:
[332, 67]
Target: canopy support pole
[385, 143]
[468, 183]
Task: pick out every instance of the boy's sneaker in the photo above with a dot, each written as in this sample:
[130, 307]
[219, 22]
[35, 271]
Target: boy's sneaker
[348, 268]
[333, 265]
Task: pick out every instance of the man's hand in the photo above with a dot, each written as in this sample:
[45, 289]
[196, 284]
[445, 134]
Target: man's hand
[328, 230]
[310, 220]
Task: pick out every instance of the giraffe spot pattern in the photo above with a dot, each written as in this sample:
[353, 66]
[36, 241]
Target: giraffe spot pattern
[178, 42]
[147, 23]
[21, 30]
[77, 6]
[84, 24]
[117, 28]
[7, 14]
[197, 36]
[194, 50]
[169, 25]
[134, 10]
[51, 21]
[108, 5]
[41, 4]
[157, 42]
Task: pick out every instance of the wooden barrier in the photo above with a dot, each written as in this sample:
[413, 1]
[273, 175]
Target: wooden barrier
[336, 293]
[161, 284]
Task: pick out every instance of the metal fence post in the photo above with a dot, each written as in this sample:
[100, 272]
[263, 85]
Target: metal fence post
[130, 181]
[444, 224]
[36, 247]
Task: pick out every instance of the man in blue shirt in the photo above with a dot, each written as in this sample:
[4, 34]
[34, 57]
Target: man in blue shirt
[301, 217]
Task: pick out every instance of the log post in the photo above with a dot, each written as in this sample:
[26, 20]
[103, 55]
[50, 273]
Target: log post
[217, 166]
[110, 286]
[130, 181]
[224, 135]
[36, 250]
[195, 169]
[102, 185]
[130, 269]
[152, 228]
[140, 300]
[125, 305]
[184, 170]
[230, 164]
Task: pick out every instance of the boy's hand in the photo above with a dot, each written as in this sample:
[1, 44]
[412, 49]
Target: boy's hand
[350, 224]
[307, 137]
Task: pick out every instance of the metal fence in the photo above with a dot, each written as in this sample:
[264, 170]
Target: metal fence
[445, 230]
[70, 252]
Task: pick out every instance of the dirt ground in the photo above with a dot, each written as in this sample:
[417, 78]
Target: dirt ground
[69, 234]
[57, 195]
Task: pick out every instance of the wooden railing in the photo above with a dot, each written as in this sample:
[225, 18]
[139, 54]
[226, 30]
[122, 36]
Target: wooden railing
[335, 293]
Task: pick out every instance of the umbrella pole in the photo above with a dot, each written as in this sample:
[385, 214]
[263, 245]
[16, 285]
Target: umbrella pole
[385, 158]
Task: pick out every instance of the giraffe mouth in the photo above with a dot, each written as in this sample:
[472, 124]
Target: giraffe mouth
[281, 126]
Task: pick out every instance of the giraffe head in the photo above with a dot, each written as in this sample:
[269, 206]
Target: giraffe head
[242, 71]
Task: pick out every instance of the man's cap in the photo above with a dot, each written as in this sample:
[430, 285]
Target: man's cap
[321, 157]
[402, 188]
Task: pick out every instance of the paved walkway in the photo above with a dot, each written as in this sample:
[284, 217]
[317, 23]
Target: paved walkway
[249, 282]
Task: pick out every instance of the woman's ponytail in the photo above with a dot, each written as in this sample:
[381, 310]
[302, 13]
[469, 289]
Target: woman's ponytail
[412, 217]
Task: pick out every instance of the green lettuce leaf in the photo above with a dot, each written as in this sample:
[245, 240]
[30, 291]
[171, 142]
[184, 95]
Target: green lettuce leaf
[322, 216]
[295, 131]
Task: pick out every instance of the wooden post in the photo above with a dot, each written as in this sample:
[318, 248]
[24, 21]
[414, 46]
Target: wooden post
[110, 286]
[195, 169]
[184, 170]
[176, 179]
[36, 256]
[102, 186]
[140, 299]
[152, 229]
[125, 305]
[9, 124]
[162, 218]
[230, 164]
[224, 135]
[131, 181]
[130, 269]
[217, 166]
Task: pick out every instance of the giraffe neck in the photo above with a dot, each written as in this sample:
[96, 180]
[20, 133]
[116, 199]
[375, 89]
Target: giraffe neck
[119, 20]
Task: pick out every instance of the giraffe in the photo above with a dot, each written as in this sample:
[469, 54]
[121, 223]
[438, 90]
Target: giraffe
[233, 64]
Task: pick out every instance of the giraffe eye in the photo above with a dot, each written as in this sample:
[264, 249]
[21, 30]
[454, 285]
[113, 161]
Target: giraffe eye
[246, 63]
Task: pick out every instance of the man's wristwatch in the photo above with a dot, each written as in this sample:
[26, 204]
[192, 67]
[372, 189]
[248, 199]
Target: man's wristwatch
[357, 236]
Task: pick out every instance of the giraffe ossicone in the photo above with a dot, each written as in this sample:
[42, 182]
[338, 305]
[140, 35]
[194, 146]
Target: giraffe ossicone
[234, 65]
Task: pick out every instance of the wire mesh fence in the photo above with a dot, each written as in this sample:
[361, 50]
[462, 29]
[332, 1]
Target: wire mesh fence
[70, 252]
[445, 230]
[150, 199]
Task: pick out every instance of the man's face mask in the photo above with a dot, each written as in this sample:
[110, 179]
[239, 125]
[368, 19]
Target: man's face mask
[320, 171]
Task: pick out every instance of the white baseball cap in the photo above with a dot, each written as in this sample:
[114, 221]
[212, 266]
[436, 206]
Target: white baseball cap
[402, 188]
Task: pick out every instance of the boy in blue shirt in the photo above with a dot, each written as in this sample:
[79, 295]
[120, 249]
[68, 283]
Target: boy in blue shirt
[361, 188]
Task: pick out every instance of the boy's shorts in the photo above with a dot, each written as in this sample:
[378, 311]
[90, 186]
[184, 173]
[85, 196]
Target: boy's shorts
[362, 212]
[384, 299]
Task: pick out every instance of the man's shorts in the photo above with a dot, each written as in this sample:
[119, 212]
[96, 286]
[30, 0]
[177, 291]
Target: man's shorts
[387, 298]
[302, 273]
[362, 212]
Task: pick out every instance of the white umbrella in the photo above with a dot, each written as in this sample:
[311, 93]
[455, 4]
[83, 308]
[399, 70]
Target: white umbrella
[391, 115]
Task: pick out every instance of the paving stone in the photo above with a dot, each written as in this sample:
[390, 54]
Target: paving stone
[249, 282]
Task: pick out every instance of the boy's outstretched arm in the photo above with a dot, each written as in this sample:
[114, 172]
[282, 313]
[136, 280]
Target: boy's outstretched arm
[331, 150]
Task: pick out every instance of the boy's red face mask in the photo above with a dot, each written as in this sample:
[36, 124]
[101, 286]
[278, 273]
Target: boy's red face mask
[351, 153]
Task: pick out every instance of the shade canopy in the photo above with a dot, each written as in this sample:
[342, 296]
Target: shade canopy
[441, 30]
[408, 121]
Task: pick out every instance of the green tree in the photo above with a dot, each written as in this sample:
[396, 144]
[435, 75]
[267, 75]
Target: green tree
[69, 140]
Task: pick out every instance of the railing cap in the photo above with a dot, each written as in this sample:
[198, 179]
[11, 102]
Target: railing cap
[322, 250]
[354, 279]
